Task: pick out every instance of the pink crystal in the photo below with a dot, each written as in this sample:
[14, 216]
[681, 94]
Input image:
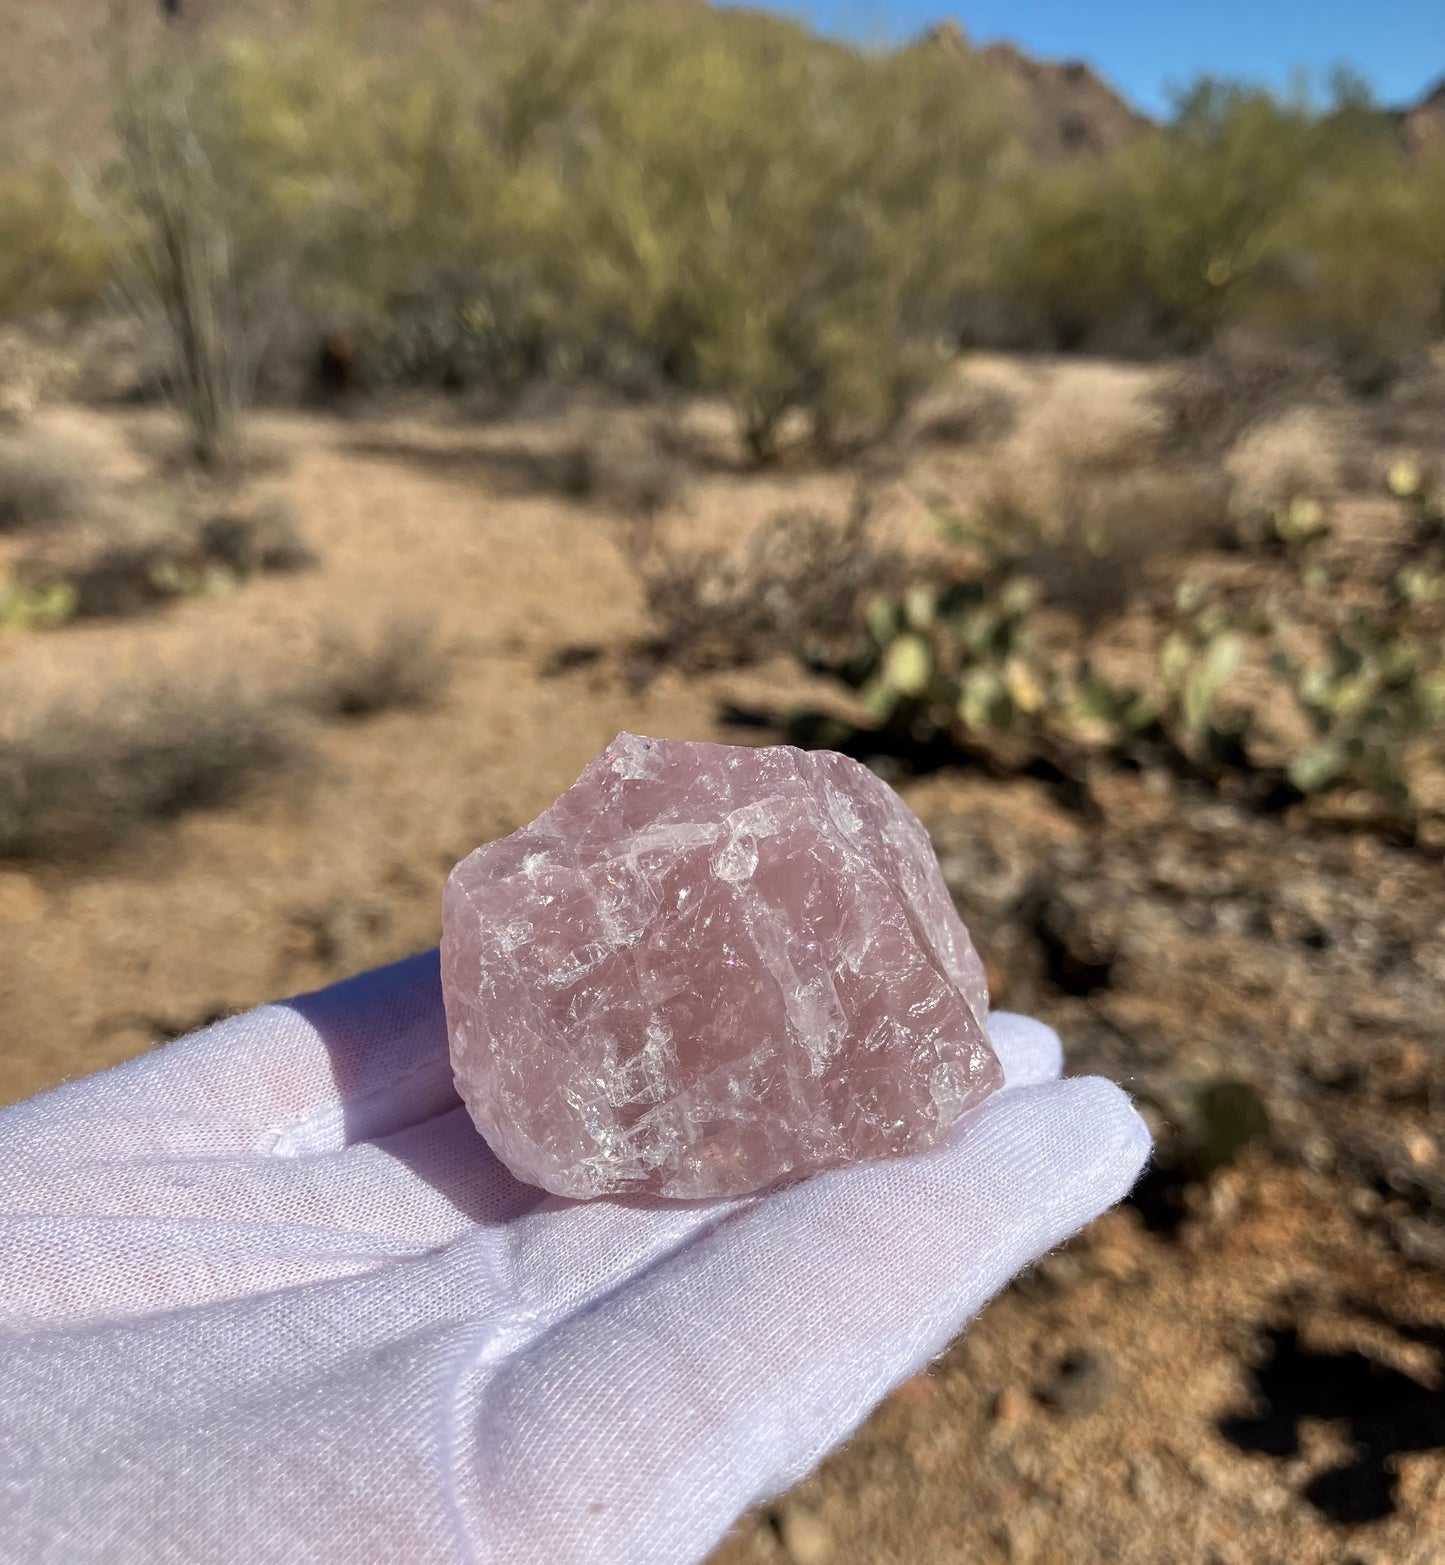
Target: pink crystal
[707, 969]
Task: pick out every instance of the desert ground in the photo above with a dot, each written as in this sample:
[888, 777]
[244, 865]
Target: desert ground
[1245, 1363]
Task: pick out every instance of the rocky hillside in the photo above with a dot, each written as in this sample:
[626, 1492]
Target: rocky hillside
[1424, 124]
[54, 61]
[1067, 105]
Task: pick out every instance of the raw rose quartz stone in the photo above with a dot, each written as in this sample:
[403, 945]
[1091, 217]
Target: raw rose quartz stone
[708, 969]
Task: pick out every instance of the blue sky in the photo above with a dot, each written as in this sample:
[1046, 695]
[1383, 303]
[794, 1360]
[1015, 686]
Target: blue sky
[1145, 46]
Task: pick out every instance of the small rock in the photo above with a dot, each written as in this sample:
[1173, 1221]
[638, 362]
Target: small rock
[1413, 1061]
[1269, 1499]
[803, 1535]
[1224, 1197]
[1318, 1154]
[1080, 1383]
[1079, 950]
[1060, 1270]
[1365, 1202]
[1011, 1406]
[1421, 1242]
[1421, 1149]
[918, 1392]
[997, 981]
[1018, 1540]
[1145, 1483]
[1202, 1474]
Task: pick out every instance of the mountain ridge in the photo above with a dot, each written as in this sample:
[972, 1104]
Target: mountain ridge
[54, 61]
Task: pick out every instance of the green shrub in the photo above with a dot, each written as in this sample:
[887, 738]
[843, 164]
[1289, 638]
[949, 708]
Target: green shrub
[772, 218]
[34, 605]
[710, 197]
[1367, 258]
[53, 254]
[1062, 241]
[80, 773]
[1212, 191]
[1305, 218]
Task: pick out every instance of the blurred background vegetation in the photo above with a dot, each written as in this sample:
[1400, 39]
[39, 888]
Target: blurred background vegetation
[671, 199]
[716, 200]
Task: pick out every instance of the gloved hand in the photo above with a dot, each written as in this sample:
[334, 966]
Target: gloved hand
[266, 1295]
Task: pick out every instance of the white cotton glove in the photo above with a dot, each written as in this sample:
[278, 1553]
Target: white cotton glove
[266, 1295]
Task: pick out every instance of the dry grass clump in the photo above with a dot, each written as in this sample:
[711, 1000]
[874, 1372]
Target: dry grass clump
[1300, 452]
[84, 770]
[119, 570]
[42, 483]
[1093, 556]
[266, 538]
[632, 476]
[799, 580]
[629, 467]
[90, 759]
[975, 415]
[398, 664]
[1240, 381]
[136, 559]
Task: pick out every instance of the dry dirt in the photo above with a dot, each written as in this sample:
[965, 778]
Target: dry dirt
[1243, 1365]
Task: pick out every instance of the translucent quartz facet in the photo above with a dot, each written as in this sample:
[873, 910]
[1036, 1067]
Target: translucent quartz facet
[707, 969]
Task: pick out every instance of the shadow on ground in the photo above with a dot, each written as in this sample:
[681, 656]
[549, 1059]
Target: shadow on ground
[1386, 1414]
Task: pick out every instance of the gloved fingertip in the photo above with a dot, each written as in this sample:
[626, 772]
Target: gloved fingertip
[1029, 1051]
